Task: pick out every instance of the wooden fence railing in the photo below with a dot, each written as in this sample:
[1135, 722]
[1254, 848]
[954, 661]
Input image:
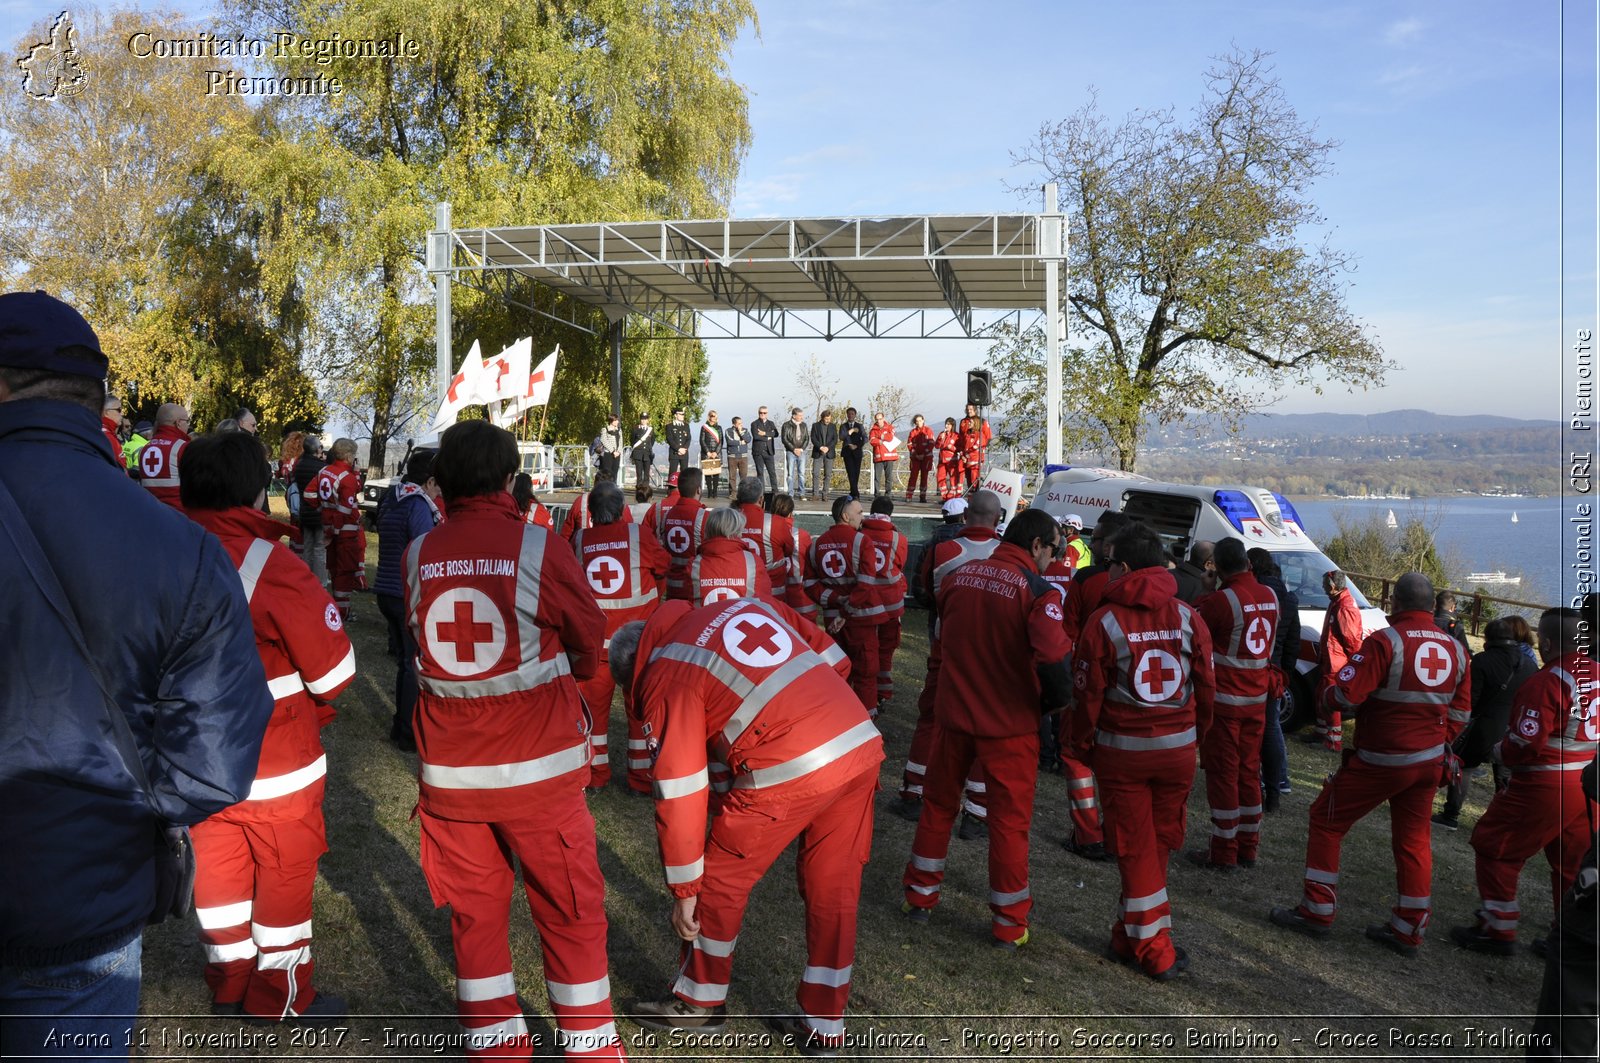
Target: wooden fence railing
[1469, 604]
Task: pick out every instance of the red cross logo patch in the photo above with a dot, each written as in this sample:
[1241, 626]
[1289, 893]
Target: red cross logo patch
[150, 461]
[678, 539]
[833, 564]
[1157, 676]
[465, 632]
[330, 617]
[1255, 636]
[881, 558]
[605, 574]
[721, 594]
[757, 640]
[1053, 611]
[1431, 664]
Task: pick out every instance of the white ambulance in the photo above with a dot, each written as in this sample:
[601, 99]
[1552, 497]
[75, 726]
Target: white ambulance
[1187, 513]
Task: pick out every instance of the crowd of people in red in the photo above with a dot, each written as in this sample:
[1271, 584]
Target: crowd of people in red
[747, 663]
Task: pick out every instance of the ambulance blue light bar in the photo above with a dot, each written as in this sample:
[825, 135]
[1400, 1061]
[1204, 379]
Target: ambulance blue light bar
[1287, 509]
[1236, 506]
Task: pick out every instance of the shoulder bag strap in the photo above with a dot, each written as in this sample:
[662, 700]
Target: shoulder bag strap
[44, 576]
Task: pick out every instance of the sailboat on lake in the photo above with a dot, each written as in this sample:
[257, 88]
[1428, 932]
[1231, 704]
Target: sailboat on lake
[1391, 522]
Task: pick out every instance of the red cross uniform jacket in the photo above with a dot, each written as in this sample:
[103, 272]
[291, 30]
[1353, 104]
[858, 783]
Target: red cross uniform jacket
[1554, 729]
[503, 620]
[844, 578]
[158, 464]
[1242, 617]
[626, 570]
[1002, 647]
[794, 584]
[773, 539]
[975, 437]
[653, 515]
[1084, 596]
[1059, 576]
[108, 428]
[970, 544]
[922, 444]
[1412, 688]
[683, 529]
[578, 517]
[949, 444]
[307, 657]
[723, 570]
[1341, 634]
[760, 688]
[885, 445]
[889, 548]
[538, 514]
[337, 487]
[1142, 670]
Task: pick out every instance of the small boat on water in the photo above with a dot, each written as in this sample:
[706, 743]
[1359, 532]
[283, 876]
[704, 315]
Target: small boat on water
[1391, 522]
[1514, 517]
[1489, 578]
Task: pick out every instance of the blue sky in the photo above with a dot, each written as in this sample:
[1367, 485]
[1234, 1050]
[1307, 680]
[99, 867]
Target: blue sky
[1447, 186]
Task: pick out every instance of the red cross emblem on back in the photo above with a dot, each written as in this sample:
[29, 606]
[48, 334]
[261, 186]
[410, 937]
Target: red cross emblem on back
[1432, 664]
[1157, 676]
[464, 632]
[605, 574]
[757, 640]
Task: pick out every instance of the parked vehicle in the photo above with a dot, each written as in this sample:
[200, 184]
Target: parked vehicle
[1187, 513]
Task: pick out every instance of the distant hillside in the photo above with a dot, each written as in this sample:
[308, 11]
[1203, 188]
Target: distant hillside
[1344, 425]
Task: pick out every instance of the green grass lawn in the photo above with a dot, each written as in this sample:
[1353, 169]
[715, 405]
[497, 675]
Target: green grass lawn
[381, 943]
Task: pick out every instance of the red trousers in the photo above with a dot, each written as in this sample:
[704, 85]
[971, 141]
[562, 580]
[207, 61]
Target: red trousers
[347, 568]
[1354, 790]
[888, 642]
[1231, 755]
[252, 896]
[972, 468]
[1330, 721]
[597, 691]
[753, 829]
[922, 742]
[860, 643]
[949, 477]
[1012, 766]
[1084, 808]
[469, 866]
[1539, 810]
[1144, 792]
[920, 467]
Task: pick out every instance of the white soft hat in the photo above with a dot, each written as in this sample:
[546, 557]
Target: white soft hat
[954, 507]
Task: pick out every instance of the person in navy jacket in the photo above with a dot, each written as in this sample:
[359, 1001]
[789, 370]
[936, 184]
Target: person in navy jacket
[78, 883]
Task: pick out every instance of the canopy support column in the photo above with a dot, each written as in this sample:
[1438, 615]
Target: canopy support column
[439, 266]
[1050, 237]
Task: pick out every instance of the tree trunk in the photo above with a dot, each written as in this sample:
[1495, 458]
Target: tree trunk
[378, 454]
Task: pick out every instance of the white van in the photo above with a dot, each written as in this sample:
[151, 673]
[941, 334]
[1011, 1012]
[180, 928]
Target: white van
[1187, 513]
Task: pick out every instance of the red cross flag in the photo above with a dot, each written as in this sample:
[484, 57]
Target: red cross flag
[535, 385]
[466, 389]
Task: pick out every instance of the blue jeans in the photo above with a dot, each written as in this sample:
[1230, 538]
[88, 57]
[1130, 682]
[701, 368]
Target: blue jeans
[1274, 756]
[80, 1010]
[794, 467]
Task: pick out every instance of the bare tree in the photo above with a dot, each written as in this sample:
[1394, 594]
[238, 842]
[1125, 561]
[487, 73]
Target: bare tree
[896, 402]
[817, 389]
[1188, 269]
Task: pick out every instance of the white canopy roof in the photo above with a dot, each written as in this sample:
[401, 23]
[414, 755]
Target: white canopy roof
[920, 276]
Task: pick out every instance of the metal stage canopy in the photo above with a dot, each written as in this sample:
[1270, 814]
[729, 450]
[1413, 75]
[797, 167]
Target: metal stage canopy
[930, 276]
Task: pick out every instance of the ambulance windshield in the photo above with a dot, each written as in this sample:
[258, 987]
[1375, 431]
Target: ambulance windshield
[1302, 574]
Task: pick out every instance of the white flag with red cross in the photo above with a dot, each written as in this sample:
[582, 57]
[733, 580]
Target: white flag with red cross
[536, 385]
[465, 390]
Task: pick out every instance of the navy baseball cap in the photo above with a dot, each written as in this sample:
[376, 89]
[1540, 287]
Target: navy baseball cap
[39, 331]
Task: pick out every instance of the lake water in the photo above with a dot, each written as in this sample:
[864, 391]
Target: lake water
[1475, 534]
